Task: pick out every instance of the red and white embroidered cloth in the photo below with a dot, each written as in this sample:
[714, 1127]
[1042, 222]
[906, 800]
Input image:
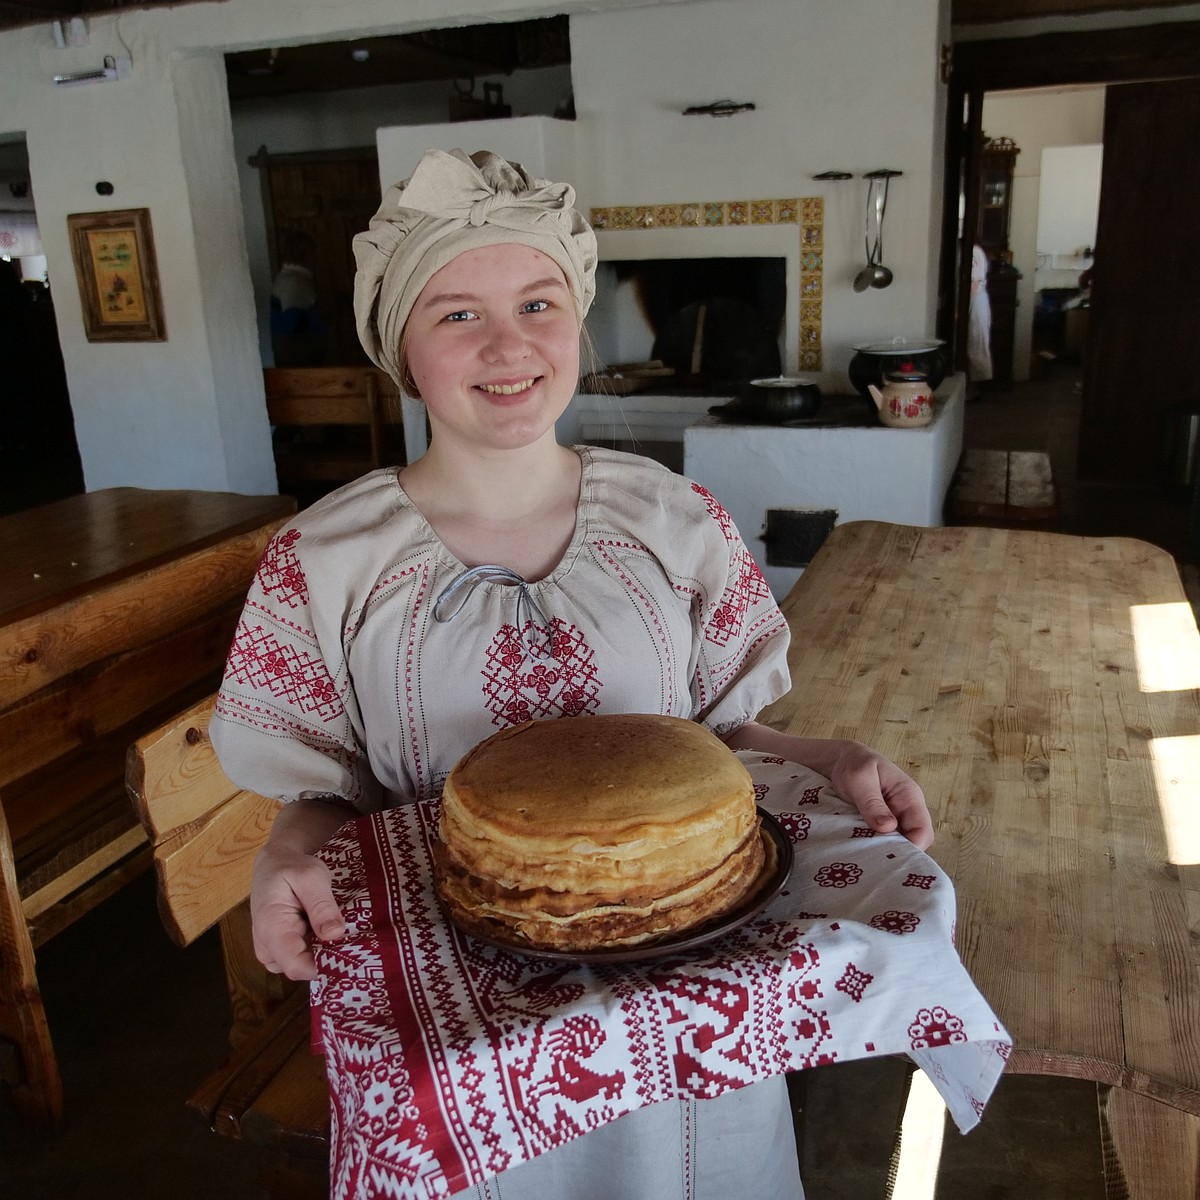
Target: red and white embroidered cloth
[450, 1061]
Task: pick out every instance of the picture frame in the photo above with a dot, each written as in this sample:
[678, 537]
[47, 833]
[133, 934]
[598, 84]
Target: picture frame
[117, 273]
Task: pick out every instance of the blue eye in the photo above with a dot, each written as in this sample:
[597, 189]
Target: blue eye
[462, 314]
[535, 306]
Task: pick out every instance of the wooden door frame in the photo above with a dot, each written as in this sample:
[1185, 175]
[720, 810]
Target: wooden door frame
[1135, 54]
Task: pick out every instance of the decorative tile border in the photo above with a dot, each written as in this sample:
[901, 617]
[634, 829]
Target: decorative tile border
[808, 213]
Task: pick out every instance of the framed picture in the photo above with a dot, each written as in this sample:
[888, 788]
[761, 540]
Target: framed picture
[118, 275]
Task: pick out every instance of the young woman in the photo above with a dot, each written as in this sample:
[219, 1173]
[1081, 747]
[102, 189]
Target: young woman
[503, 577]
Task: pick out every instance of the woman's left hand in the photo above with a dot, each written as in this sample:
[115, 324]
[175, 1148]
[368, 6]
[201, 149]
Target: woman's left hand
[889, 799]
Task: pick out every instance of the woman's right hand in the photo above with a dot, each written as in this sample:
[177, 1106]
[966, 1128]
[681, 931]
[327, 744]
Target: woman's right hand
[291, 895]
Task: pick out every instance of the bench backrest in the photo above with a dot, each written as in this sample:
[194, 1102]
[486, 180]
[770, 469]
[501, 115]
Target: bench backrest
[347, 396]
[205, 830]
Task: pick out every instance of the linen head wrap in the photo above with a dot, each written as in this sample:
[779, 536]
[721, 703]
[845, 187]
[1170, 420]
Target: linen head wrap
[453, 203]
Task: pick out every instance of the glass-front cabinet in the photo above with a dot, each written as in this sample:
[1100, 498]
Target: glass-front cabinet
[997, 162]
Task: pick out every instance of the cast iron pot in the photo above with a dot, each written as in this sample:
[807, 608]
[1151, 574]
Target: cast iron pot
[872, 360]
[780, 398]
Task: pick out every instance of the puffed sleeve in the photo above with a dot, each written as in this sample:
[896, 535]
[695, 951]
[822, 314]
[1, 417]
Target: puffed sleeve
[739, 662]
[286, 722]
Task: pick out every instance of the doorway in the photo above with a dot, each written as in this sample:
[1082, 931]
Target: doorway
[1125, 426]
[326, 197]
[39, 457]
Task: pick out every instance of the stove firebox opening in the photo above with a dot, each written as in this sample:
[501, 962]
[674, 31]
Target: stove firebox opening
[716, 322]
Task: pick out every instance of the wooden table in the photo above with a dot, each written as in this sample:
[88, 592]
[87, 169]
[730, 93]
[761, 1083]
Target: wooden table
[117, 608]
[1044, 691]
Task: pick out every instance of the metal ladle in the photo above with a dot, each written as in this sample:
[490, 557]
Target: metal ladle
[875, 274]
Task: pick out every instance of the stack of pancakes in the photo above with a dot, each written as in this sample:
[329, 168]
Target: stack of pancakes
[602, 831]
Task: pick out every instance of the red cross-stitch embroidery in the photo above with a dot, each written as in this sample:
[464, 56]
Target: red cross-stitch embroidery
[894, 921]
[518, 687]
[746, 587]
[717, 511]
[280, 574]
[919, 881]
[257, 660]
[796, 825]
[935, 1027]
[854, 982]
[838, 875]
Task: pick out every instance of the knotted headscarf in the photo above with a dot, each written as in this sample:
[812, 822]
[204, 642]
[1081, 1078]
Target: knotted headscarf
[453, 203]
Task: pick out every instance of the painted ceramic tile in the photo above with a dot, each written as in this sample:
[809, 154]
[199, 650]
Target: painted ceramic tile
[808, 212]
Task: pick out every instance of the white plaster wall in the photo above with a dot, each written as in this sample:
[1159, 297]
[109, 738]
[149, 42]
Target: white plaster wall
[1068, 201]
[821, 105]
[189, 411]
[1036, 118]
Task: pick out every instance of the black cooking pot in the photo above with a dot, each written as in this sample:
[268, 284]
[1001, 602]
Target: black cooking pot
[873, 360]
[780, 398]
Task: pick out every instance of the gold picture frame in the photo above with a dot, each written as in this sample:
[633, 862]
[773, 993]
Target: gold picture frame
[118, 275]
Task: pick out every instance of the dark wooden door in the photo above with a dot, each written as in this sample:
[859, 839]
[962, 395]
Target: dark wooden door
[1140, 365]
[331, 196]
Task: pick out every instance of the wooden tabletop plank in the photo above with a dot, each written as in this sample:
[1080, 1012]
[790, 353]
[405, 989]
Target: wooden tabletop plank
[1045, 691]
[60, 550]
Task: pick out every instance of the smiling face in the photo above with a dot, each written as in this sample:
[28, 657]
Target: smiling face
[493, 346]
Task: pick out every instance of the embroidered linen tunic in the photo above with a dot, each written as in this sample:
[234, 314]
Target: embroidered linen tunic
[347, 676]
[369, 659]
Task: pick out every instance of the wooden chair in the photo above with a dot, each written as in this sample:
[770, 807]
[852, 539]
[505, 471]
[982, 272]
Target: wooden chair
[332, 424]
[80, 680]
[205, 832]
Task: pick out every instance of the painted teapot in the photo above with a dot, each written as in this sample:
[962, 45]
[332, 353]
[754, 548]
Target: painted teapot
[905, 400]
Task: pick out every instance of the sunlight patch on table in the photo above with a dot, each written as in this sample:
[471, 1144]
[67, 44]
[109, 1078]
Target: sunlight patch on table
[1166, 646]
[921, 1131]
[1177, 781]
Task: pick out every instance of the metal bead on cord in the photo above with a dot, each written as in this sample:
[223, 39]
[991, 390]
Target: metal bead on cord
[531, 622]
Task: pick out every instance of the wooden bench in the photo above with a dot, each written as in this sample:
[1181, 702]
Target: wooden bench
[332, 424]
[205, 832]
[117, 609]
[1003, 488]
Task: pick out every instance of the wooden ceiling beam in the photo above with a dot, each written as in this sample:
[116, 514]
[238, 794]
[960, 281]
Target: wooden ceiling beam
[978, 12]
[1168, 51]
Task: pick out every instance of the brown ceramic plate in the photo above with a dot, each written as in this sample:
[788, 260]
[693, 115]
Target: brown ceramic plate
[770, 884]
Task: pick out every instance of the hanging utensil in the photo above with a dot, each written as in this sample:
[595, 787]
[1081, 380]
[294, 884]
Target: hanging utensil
[875, 274]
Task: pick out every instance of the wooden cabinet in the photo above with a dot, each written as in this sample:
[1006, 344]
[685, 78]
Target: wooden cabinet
[1002, 295]
[997, 162]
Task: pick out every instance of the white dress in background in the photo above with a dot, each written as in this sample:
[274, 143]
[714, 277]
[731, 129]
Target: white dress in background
[979, 320]
[369, 659]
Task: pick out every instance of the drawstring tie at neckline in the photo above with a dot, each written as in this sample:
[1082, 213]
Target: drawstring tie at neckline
[531, 622]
